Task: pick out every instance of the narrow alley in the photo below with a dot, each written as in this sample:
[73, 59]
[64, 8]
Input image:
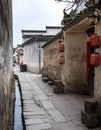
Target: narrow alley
[50, 60]
[44, 110]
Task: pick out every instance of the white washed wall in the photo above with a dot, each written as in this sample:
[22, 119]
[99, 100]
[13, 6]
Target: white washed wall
[52, 31]
[31, 56]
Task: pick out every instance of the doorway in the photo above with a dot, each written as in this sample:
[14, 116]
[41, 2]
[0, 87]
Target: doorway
[90, 70]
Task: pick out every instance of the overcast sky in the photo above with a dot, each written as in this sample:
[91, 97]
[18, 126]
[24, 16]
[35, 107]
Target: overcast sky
[35, 15]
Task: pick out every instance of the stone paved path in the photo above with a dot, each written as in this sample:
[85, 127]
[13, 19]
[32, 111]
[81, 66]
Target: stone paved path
[44, 110]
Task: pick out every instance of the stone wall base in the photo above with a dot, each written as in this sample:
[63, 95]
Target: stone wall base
[10, 109]
[58, 87]
[91, 116]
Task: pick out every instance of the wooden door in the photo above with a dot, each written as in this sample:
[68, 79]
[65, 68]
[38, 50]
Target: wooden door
[90, 70]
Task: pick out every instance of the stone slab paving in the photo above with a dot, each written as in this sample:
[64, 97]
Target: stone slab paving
[44, 110]
[43, 126]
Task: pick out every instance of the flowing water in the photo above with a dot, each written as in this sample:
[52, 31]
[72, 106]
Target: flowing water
[18, 123]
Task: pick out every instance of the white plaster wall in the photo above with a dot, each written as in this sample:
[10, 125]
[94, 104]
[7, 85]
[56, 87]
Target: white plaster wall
[52, 31]
[97, 78]
[49, 31]
[74, 71]
[25, 39]
[33, 33]
[31, 56]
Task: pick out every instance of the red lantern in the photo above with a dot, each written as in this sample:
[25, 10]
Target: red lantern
[61, 60]
[95, 59]
[95, 41]
[61, 48]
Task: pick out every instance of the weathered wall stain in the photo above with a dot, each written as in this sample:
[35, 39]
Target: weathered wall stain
[6, 64]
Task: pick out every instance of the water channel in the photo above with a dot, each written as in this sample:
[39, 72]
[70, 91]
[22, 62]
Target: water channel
[18, 122]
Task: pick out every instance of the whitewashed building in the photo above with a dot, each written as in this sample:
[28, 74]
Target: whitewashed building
[32, 42]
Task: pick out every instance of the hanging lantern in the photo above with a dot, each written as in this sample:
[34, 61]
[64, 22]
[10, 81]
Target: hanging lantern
[95, 41]
[61, 60]
[61, 48]
[95, 59]
[92, 19]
